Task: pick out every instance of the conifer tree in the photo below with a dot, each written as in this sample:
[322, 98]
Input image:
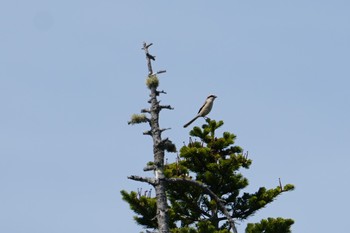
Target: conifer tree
[203, 188]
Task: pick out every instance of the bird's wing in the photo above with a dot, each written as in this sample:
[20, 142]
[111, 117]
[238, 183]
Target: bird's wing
[201, 107]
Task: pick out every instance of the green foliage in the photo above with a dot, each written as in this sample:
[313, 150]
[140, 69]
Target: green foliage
[216, 162]
[145, 207]
[248, 204]
[184, 230]
[201, 227]
[270, 225]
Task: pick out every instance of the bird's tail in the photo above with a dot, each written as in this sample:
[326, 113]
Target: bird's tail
[191, 121]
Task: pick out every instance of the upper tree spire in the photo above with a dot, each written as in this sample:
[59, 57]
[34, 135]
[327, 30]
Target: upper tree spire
[159, 145]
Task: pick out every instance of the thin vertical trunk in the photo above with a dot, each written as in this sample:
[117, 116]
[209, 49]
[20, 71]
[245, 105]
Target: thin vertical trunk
[162, 206]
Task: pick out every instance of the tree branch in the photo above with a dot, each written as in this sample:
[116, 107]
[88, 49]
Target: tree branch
[206, 190]
[166, 106]
[150, 168]
[280, 183]
[160, 92]
[162, 130]
[148, 180]
[148, 132]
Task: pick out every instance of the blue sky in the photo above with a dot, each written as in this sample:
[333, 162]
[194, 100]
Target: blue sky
[72, 73]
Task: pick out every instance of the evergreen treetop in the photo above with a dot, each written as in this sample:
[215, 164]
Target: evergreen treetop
[205, 180]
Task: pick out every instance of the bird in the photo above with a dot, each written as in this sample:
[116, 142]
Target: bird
[204, 110]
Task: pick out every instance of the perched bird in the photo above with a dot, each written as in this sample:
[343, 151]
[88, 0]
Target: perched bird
[204, 110]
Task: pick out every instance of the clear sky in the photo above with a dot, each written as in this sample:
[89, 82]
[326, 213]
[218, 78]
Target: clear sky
[72, 73]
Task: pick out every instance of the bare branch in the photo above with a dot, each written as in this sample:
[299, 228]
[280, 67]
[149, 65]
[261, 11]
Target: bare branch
[207, 190]
[162, 130]
[161, 71]
[279, 180]
[160, 92]
[246, 155]
[148, 180]
[149, 56]
[150, 44]
[145, 110]
[147, 231]
[148, 132]
[150, 168]
[166, 107]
